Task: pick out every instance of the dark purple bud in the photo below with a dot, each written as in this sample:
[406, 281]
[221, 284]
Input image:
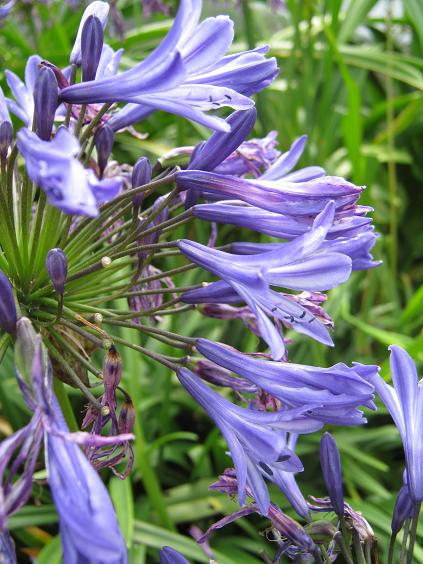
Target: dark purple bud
[169, 555]
[141, 175]
[57, 268]
[6, 137]
[112, 372]
[104, 139]
[290, 528]
[8, 315]
[45, 102]
[26, 339]
[404, 509]
[126, 417]
[91, 46]
[330, 462]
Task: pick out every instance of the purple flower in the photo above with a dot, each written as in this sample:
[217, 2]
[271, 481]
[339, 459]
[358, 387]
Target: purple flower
[169, 555]
[187, 74]
[54, 167]
[251, 157]
[294, 265]
[257, 445]
[7, 546]
[227, 484]
[338, 389]
[23, 92]
[404, 402]
[8, 314]
[87, 521]
[404, 509]
[358, 248]
[280, 225]
[98, 9]
[6, 127]
[330, 462]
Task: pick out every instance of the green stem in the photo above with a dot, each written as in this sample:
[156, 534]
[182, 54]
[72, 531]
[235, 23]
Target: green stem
[104, 108]
[391, 548]
[404, 541]
[413, 533]
[80, 120]
[142, 460]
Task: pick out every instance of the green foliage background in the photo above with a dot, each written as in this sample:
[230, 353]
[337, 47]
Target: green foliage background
[351, 78]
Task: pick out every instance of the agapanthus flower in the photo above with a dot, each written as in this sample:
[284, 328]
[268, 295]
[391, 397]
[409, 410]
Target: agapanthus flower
[255, 439]
[404, 402]
[294, 265]
[187, 74]
[54, 167]
[403, 509]
[339, 389]
[98, 9]
[169, 555]
[23, 92]
[88, 525]
[290, 529]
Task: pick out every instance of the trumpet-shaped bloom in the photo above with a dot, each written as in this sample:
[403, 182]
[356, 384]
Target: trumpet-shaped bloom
[257, 445]
[339, 389]
[54, 167]
[404, 402]
[294, 265]
[187, 74]
[169, 555]
[88, 524]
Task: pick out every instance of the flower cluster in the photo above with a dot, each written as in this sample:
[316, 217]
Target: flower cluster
[81, 237]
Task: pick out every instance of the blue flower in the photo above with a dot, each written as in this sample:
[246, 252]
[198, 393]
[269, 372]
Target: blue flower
[169, 555]
[338, 389]
[257, 445]
[88, 524]
[294, 265]
[187, 74]
[23, 92]
[54, 167]
[404, 402]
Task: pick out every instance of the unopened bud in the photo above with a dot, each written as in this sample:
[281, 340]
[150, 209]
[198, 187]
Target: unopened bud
[45, 102]
[6, 137]
[211, 372]
[330, 462]
[8, 315]
[26, 339]
[98, 9]
[104, 139]
[169, 555]
[91, 45]
[404, 509]
[126, 417]
[57, 268]
[141, 175]
[112, 373]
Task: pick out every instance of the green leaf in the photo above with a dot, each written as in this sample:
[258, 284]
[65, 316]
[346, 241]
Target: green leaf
[121, 494]
[414, 9]
[353, 17]
[51, 553]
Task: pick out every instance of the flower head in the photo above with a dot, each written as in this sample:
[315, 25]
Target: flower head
[255, 439]
[53, 166]
[404, 401]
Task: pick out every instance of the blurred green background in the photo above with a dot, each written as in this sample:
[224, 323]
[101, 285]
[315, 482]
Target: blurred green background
[351, 79]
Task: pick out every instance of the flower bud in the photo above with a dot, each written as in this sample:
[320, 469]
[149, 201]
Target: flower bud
[126, 417]
[91, 45]
[330, 462]
[141, 174]
[6, 137]
[26, 338]
[45, 102]
[169, 555]
[211, 372]
[57, 268]
[104, 139]
[112, 373]
[8, 315]
[404, 509]
[98, 9]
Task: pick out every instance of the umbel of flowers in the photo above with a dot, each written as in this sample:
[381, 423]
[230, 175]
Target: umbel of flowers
[77, 236]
